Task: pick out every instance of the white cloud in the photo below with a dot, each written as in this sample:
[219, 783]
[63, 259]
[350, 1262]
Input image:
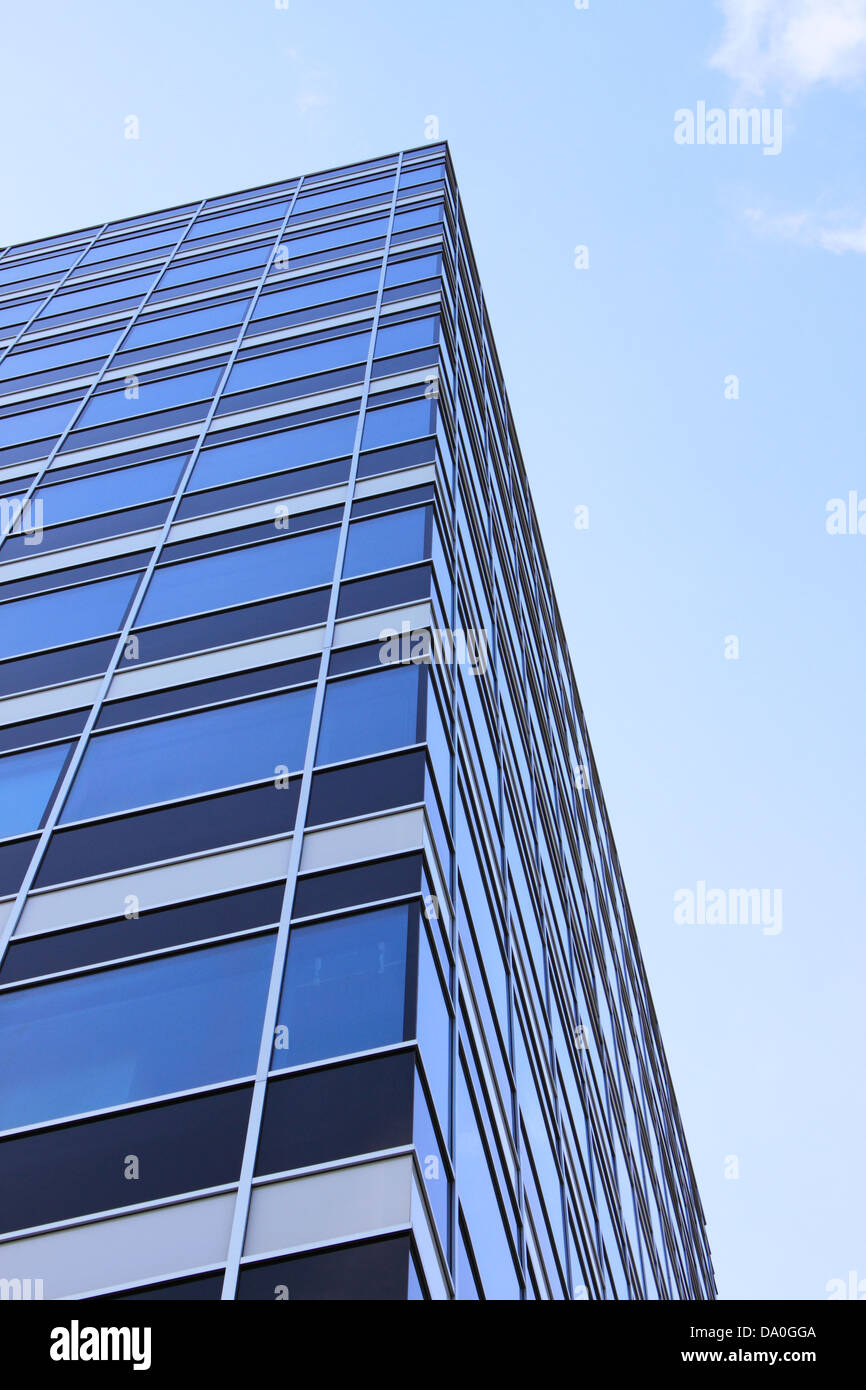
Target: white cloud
[309, 98]
[833, 233]
[313, 85]
[790, 45]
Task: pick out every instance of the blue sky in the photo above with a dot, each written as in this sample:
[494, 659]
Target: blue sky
[706, 514]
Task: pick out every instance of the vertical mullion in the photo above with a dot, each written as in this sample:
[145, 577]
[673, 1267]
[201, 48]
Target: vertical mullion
[281, 946]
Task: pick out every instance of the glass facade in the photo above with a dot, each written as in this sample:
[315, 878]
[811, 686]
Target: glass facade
[317, 973]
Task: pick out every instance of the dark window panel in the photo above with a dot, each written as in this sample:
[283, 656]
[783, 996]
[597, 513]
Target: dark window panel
[405, 362]
[72, 1170]
[409, 455]
[388, 501]
[14, 860]
[152, 931]
[362, 788]
[375, 1271]
[384, 591]
[199, 1288]
[42, 730]
[357, 884]
[55, 667]
[336, 1112]
[169, 832]
[367, 657]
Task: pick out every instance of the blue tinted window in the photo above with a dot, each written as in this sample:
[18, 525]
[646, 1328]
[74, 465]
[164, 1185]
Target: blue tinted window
[123, 1035]
[283, 366]
[32, 270]
[135, 286]
[418, 217]
[322, 292]
[343, 193]
[427, 173]
[385, 541]
[151, 330]
[251, 258]
[419, 268]
[240, 576]
[340, 236]
[18, 313]
[369, 714]
[147, 395]
[102, 492]
[403, 337]
[33, 424]
[73, 615]
[480, 1206]
[45, 356]
[106, 250]
[26, 782]
[345, 987]
[432, 1166]
[409, 420]
[207, 228]
[433, 1031]
[272, 453]
[191, 753]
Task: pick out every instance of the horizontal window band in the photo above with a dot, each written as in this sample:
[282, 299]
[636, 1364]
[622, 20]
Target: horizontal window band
[56, 667]
[282, 675]
[88, 529]
[152, 930]
[181, 829]
[73, 1170]
[260, 619]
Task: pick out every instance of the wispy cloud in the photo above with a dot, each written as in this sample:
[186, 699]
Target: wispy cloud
[313, 85]
[311, 95]
[833, 234]
[791, 45]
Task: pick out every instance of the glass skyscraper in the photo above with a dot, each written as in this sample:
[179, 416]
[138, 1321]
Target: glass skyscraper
[318, 978]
